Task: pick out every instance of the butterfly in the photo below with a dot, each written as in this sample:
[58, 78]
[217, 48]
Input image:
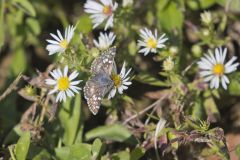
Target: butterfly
[100, 83]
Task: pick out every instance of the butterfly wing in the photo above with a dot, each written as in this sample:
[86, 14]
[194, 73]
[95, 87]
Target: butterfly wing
[104, 63]
[95, 89]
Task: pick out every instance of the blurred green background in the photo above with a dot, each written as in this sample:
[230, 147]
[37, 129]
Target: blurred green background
[73, 134]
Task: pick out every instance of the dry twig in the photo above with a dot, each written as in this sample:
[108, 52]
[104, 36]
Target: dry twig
[12, 87]
[146, 109]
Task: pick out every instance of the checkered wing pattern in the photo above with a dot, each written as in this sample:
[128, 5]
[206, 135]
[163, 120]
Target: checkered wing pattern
[95, 89]
[93, 95]
[104, 62]
[100, 83]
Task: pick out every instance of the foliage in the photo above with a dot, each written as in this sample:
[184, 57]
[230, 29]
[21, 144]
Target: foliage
[33, 126]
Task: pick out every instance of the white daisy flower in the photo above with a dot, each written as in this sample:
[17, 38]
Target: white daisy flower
[63, 84]
[214, 69]
[121, 81]
[151, 42]
[104, 40]
[101, 12]
[60, 43]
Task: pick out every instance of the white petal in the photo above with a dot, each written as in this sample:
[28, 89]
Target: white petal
[52, 42]
[205, 73]
[65, 71]
[64, 96]
[231, 68]
[109, 23]
[229, 63]
[50, 82]
[224, 55]
[53, 48]
[69, 93]
[112, 93]
[122, 73]
[59, 97]
[127, 73]
[206, 79]
[75, 82]
[55, 37]
[224, 85]
[217, 55]
[127, 83]
[217, 82]
[73, 75]
[53, 90]
[75, 89]
[54, 74]
[59, 72]
[59, 35]
[120, 90]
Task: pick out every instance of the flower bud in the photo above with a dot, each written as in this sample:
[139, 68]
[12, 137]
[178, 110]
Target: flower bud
[206, 17]
[168, 64]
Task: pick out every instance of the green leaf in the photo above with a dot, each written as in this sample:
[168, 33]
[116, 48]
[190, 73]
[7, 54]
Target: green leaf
[233, 5]
[238, 150]
[43, 155]
[211, 109]
[128, 99]
[150, 80]
[38, 153]
[20, 62]
[13, 135]
[197, 111]
[137, 153]
[69, 116]
[26, 6]
[123, 155]
[234, 86]
[200, 4]
[34, 26]
[23, 146]
[169, 15]
[97, 148]
[132, 48]
[79, 151]
[84, 24]
[2, 7]
[115, 132]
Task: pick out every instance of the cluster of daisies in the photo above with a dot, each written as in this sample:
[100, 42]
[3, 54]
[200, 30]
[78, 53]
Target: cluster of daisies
[64, 83]
[212, 66]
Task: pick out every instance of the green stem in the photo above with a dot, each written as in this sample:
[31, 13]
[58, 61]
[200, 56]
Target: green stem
[10, 148]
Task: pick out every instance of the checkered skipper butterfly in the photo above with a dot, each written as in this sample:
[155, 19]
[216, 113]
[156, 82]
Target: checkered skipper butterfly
[100, 83]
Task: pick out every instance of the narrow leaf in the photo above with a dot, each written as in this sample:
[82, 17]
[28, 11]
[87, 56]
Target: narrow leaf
[115, 132]
[69, 116]
[26, 6]
[23, 146]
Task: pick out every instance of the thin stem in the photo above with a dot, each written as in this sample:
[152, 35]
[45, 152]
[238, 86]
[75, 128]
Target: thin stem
[187, 68]
[146, 109]
[12, 87]
[10, 148]
[228, 5]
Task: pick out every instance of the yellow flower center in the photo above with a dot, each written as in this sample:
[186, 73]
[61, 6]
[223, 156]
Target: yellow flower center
[63, 83]
[152, 43]
[117, 80]
[107, 10]
[218, 69]
[64, 43]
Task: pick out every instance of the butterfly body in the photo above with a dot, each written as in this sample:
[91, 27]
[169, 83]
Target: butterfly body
[100, 83]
